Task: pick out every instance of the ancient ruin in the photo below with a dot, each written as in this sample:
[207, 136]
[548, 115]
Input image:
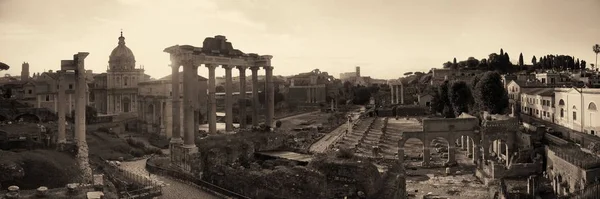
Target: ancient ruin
[215, 52]
[77, 66]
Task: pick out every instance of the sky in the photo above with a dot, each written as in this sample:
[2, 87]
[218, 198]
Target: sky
[386, 38]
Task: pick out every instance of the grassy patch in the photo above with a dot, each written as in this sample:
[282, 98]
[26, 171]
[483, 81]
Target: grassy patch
[40, 168]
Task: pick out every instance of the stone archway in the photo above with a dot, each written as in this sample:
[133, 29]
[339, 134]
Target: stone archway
[413, 148]
[499, 150]
[441, 148]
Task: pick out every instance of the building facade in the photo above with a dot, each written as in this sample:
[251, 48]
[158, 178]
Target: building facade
[576, 108]
[538, 103]
[115, 92]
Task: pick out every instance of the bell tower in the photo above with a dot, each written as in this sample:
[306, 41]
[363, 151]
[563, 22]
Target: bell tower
[25, 71]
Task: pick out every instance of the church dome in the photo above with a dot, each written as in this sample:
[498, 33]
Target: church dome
[121, 58]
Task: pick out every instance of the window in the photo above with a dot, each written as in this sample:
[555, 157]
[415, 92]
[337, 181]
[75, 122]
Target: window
[29, 91]
[47, 97]
[562, 113]
[592, 106]
[574, 115]
[70, 86]
[125, 80]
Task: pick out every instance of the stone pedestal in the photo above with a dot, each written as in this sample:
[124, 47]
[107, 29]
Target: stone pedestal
[41, 192]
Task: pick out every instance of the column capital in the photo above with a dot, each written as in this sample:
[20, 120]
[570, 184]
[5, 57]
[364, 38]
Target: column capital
[211, 66]
[241, 68]
[268, 67]
[227, 67]
[188, 63]
[254, 68]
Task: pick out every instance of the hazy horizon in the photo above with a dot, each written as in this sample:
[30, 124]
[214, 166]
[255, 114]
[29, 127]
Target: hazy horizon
[385, 37]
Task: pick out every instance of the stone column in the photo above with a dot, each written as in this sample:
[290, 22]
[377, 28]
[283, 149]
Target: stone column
[242, 97]
[451, 155]
[270, 97]
[476, 153]
[175, 105]
[82, 148]
[62, 136]
[80, 104]
[392, 90]
[212, 101]
[308, 95]
[255, 102]
[189, 70]
[396, 88]
[228, 99]
[401, 156]
[401, 94]
[426, 155]
[469, 147]
[462, 142]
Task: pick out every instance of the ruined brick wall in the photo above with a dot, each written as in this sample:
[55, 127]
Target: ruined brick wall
[569, 172]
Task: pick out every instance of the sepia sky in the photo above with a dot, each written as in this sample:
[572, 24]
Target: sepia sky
[385, 37]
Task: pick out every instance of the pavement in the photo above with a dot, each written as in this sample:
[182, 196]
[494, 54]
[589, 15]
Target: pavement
[172, 189]
[327, 140]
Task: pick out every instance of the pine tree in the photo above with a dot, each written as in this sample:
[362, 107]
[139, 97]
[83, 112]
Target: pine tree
[533, 60]
[521, 59]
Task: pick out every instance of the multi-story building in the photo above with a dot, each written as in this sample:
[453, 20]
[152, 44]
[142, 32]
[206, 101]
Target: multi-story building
[116, 90]
[576, 108]
[538, 103]
[309, 88]
[155, 104]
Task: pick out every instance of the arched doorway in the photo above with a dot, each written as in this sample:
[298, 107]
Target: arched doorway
[411, 151]
[498, 151]
[126, 104]
[439, 151]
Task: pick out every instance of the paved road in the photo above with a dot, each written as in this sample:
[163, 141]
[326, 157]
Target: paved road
[327, 140]
[171, 189]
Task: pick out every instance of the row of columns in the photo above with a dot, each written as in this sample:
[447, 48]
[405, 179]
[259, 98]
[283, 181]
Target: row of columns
[311, 94]
[190, 99]
[397, 93]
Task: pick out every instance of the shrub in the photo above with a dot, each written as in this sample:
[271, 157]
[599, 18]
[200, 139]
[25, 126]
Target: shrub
[278, 124]
[136, 143]
[136, 152]
[345, 153]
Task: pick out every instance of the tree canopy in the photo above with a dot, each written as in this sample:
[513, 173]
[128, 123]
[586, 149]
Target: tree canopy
[459, 95]
[490, 95]
[4, 66]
